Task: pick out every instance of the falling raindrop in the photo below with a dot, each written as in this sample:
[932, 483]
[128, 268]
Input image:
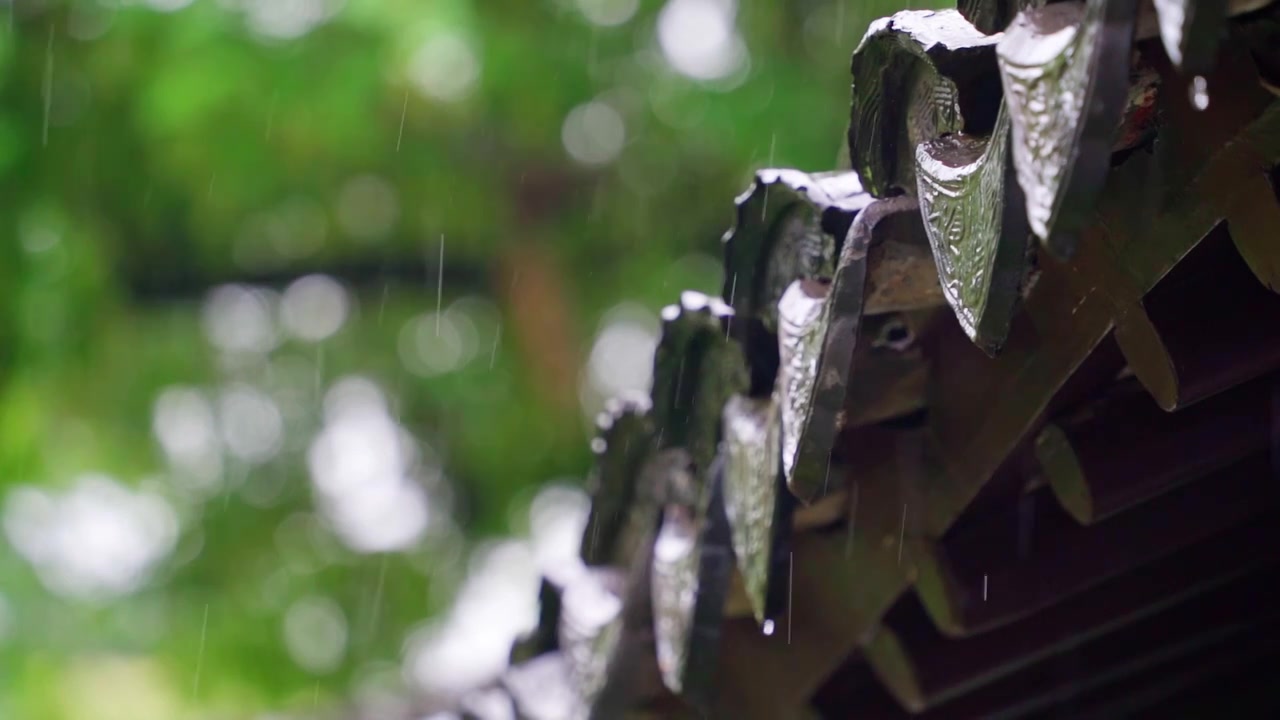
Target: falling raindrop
[902, 533]
[271, 113]
[87, 21]
[773, 143]
[679, 383]
[1200, 93]
[733, 290]
[204, 629]
[840, 23]
[315, 634]
[439, 283]
[404, 111]
[48, 89]
[497, 338]
[318, 387]
[314, 307]
[251, 423]
[375, 610]
[368, 207]
[446, 68]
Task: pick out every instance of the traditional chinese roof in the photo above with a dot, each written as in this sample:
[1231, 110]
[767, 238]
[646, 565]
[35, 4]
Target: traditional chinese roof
[987, 426]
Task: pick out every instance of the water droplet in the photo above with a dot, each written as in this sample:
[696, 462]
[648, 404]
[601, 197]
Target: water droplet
[768, 627]
[1200, 93]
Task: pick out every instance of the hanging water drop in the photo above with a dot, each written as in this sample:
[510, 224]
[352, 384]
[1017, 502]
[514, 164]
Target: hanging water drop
[768, 627]
[1200, 93]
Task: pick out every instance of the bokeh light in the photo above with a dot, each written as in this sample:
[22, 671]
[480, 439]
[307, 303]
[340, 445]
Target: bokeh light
[699, 38]
[314, 307]
[496, 603]
[594, 133]
[362, 465]
[238, 319]
[95, 540]
[607, 13]
[445, 68]
[621, 357]
[367, 207]
[315, 633]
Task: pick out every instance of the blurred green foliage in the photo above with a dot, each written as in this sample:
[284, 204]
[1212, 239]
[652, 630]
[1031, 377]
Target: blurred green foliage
[152, 151]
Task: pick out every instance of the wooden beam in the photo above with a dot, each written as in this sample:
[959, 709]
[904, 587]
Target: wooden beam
[1237, 621]
[888, 374]
[1235, 92]
[901, 274]
[1253, 214]
[1235, 616]
[923, 668]
[1125, 450]
[1238, 682]
[824, 514]
[773, 676]
[981, 408]
[844, 579]
[1205, 328]
[991, 571]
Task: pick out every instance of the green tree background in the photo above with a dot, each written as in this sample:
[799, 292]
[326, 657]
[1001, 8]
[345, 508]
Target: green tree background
[258, 442]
